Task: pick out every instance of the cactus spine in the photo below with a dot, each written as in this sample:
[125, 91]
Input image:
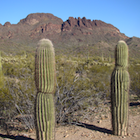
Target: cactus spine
[45, 84]
[120, 90]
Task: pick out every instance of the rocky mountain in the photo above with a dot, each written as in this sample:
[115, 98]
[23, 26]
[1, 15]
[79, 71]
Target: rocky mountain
[73, 35]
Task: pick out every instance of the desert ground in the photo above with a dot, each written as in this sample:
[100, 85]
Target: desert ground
[99, 129]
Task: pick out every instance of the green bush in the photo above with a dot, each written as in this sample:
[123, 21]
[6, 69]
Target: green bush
[134, 71]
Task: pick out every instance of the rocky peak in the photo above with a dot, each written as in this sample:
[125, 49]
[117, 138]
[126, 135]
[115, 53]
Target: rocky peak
[7, 24]
[72, 21]
[35, 18]
[87, 23]
[80, 22]
[84, 23]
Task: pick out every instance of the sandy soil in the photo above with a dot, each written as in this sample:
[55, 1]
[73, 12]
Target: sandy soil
[95, 130]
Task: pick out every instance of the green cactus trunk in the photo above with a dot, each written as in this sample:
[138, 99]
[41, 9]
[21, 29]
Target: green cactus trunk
[45, 68]
[45, 84]
[119, 101]
[45, 116]
[120, 91]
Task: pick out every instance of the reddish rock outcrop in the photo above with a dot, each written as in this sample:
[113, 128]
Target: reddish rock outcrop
[53, 27]
[7, 24]
[33, 19]
[80, 22]
[87, 23]
[71, 23]
[84, 23]
[10, 34]
[47, 28]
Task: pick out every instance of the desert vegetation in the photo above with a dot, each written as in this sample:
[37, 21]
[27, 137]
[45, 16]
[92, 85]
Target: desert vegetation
[82, 89]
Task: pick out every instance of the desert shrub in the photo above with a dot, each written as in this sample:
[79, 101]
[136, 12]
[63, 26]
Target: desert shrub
[80, 85]
[79, 89]
[18, 92]
[134, 71]
[83, 84]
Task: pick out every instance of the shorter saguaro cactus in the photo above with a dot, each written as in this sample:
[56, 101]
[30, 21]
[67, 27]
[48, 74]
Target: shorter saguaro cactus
[45, 84]
[120, 90]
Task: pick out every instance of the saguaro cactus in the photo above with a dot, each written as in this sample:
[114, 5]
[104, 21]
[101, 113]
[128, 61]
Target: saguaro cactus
[45, 84]
[120, 90]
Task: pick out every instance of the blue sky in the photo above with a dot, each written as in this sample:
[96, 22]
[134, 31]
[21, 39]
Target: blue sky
[123, 14]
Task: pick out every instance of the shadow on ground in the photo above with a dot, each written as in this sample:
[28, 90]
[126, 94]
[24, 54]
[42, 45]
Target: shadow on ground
[15, 137]
[134, 104]
[95, 128]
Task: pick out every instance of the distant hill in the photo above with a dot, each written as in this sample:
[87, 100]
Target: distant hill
[74, 36]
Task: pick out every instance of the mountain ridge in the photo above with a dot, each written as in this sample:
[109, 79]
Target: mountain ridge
[74, 32]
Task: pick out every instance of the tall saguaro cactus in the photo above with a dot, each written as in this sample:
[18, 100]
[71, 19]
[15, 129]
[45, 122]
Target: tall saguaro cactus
[120, 90]
[45, 84]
